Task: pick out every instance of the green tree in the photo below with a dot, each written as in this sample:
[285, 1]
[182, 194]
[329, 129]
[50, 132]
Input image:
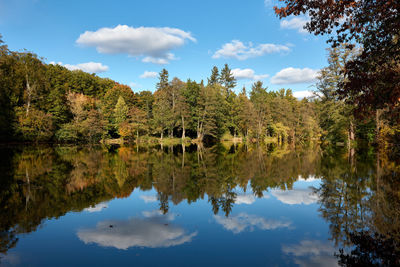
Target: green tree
[163, 80]
[372, 25]
[120, 111]
[227, 79]
[336, 118]
[8, 96]
[214, 78]
[245, 117]
[34, 126]
[259, 97]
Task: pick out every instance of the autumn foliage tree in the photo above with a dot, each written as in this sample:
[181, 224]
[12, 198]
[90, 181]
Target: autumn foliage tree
[373, 77]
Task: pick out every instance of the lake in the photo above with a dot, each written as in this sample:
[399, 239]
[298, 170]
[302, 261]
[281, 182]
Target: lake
[227, 205]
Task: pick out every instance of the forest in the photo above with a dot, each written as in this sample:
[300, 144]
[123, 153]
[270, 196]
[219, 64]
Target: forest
[48, 103]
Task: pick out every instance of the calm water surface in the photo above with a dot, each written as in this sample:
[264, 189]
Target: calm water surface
[194, 206]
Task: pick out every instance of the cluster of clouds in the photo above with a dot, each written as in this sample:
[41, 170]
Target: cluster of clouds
[285, 76]
[90, 67]
[248, 74]
[156, 45]
[153, 44]
[295, 75]
[241, 51]
[152, 231]
[149, 74]
[295, 23]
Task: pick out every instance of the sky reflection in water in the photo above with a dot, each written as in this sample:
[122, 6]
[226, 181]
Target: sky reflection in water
[215, 206]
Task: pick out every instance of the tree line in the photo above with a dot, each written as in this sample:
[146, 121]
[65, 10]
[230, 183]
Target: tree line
[48, 103]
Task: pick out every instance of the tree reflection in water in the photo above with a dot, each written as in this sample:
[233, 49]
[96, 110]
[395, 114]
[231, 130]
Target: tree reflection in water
[360, 199]
[358, 196]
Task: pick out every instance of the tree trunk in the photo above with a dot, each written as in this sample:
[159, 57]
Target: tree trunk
[183, 155]
[28, 197]
[378, 124]
[351, 135]
[200, 134]
[198, 129]
[183, 128]
[162, 134]
[29, 92]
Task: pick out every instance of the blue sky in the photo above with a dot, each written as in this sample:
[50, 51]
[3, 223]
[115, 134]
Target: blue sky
[130, 41]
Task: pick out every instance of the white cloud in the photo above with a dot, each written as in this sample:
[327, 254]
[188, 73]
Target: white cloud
[303, 94]
[151, 232]
[312, 253]
[245, 199]
[244, 221]
[149, 199]
[237, 49]
[149, 74]
[154, 44]
[295, 196]
[97, 208]
[295, 23]
[90, 67]
[247, 74]
[294, 75]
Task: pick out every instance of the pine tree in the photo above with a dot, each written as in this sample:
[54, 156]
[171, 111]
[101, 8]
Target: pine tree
[214, 78]
[227, 79]
[336, 118]
[163, 80]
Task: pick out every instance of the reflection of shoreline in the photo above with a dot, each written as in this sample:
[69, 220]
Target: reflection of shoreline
[154, 231]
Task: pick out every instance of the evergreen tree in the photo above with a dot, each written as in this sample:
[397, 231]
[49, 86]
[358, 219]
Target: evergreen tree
[214, 78]
[163, 82]
[227, 79]
[336, 118]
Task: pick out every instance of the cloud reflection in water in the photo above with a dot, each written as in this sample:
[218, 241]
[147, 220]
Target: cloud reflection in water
[312, 253]
[296, 196]
[244, 221]
[152, 232]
